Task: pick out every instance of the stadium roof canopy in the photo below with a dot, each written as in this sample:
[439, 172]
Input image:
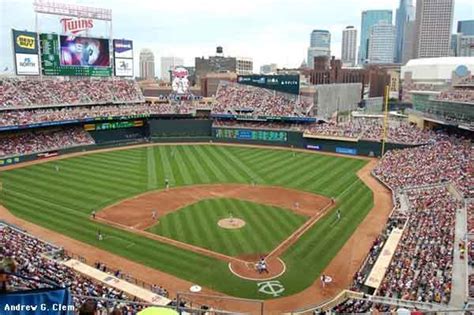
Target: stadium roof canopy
[436, 68]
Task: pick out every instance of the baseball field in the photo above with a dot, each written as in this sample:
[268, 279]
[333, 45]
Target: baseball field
[274, 192]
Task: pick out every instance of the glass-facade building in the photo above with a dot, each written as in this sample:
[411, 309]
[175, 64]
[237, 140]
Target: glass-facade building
[320, 45]
[445, 110]
[369, 19]
[466, 27]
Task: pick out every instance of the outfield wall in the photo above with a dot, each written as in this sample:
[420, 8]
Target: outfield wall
[170, 130]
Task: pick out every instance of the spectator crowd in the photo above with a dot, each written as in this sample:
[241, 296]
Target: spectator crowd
[447, 159]
[37, 141]
[421, 267]
[232, 98]
[372, 129]
[457, 95]
[26, 117]
[35, 93]
[28, 253]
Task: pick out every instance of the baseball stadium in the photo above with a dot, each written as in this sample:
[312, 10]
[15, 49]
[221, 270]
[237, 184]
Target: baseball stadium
[121, 197]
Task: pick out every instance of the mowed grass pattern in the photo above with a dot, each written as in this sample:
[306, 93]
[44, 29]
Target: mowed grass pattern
[62, 201]
[265, 227]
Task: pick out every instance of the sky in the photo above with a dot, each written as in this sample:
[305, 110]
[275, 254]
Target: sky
[269, 31]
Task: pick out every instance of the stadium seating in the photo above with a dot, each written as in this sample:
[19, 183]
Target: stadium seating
[43, 140]
[50, 92]
[458, 95]
[28, 253]
[421, 268]
[232, 98]
[372, 129]
[448, 159]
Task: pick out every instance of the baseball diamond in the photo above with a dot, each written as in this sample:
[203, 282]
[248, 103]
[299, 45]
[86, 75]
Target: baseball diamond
[63, 201]
[324, 187]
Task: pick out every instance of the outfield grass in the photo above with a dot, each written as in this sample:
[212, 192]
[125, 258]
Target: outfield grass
[265, 227]
[62, 201]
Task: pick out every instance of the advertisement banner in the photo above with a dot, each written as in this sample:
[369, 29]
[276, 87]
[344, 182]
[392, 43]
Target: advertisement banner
[123, 67]
[344, 150]
[25, 42]
[123, 48]
[27, 64]
[84, 51]
[287, 83]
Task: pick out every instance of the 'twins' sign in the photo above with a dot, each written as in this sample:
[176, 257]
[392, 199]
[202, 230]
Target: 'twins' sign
[76, 25]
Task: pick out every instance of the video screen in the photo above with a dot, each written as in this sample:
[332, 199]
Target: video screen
[84, 51]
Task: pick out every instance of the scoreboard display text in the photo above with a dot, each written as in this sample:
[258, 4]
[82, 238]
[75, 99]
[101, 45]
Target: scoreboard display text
[52, 63]
[113, 125]
[246, 134]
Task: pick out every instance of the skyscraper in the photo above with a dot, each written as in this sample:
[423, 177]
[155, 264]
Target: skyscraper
[147, 64]
[167, 64]
[434, 19]
[409, 42]
[369, 19]
[405, 14]
[382, 43]
[349, 45]
[466, 27]
[320, 45]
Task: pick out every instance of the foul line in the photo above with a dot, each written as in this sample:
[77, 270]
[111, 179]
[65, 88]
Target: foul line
[130, 244]
[299, 232]
[169, 241]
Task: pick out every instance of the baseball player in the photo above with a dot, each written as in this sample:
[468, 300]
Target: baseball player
[167, 184]
[93, 214]
[100, 237]
[338, 214]
[153, 215]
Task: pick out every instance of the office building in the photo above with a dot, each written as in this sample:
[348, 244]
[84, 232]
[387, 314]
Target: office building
[349, 46]
[462, 45]
[168, 64]
[434, 19]
[320, 45]
[147, 64]
[269, 69]
[382, 38]
[244, 65]
[405, 15]
[369, 19]
[409, 42]
[466, 27]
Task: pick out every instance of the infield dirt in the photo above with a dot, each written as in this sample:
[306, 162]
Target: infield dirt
[341, 268]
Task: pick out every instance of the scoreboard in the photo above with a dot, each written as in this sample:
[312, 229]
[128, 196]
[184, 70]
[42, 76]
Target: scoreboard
[113, 125]
[247, 134]
[50, 46]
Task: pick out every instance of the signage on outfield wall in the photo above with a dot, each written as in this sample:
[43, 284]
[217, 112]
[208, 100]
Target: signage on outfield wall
[9, 161]
[344, 150]
[313, 147]
[25, 47]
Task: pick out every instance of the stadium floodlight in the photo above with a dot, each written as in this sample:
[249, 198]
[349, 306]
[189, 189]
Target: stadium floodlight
[56, 8]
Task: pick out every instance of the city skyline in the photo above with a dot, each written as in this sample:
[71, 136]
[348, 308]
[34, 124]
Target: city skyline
[195, 29]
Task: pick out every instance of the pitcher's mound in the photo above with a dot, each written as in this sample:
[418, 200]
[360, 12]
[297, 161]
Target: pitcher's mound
[233, 223]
